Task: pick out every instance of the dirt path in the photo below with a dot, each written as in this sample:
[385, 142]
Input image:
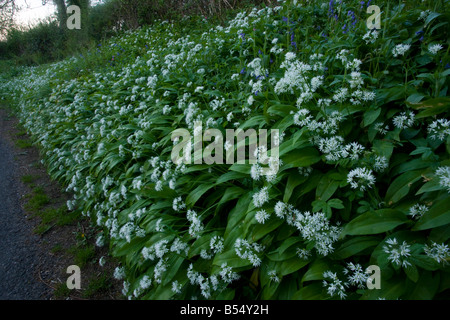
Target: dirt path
[35, 252]
[18, 245]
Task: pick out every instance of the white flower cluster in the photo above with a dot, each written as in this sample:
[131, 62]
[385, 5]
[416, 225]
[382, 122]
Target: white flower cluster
[439, 252]
[329, 125]
[417, 211]
[261, 216]
[178, 204]
[355, 275]
[196, 226]
[314, 227]
[215, 246]
[334, 149]
[404, 120]
[361, 178]
[371, 36]
[443, 174]
[249, 251]
[439, 129]
[335, 286]
[261, 197]
[398, 253]
[211, 284]
[435, 48]
[400, 50]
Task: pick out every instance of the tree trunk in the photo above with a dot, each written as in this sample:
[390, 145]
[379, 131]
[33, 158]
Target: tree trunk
[62, 12]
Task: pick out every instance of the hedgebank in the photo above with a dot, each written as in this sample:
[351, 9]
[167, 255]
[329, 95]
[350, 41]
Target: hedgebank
[362, 179]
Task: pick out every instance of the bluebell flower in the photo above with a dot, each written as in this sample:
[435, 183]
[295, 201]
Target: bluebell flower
[447, 66]
[242, 71]
[242, 35]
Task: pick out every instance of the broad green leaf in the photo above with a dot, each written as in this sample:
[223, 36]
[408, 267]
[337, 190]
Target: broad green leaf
[316, 270]
[310, 292]
[438, 215]
[292, 265]
[400, 187]
[231, 259]
[354, 246]
[370, 116]
[374, 222]
[304, 157]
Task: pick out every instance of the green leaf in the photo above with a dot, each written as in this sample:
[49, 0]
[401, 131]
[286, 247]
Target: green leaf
[370, 116]
[415, 98]
[374, 222]
[326, 187]
[438, 215]
[292, 265]
[231, 259]
[426, 287]
[401, 186]
[310, 292]
[304, 157]
[354, 246]
[412, 272]
[430, 186]
[316, 270]
[293, 181]
[197, 193]
[260, 230]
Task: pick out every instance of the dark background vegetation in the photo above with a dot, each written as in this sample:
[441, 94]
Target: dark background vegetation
[50, 40]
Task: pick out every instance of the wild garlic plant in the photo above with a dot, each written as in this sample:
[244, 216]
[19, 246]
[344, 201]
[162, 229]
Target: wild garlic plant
[364, 162]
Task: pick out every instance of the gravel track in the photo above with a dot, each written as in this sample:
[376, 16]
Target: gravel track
[18, 245]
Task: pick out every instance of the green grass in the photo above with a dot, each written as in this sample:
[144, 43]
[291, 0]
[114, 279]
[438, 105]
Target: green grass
[37, 200]
[23, 143]
[28, 178]
[61, 290]
[98, 285]
[83, 254]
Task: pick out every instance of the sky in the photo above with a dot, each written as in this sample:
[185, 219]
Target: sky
[33, 10]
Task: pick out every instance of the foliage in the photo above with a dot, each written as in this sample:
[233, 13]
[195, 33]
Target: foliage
[364, 177]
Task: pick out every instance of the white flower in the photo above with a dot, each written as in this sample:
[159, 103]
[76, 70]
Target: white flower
[439, 129]
[398, 253]
[356, 275]
[227, 274]
[119, 273]
[176, 287]
[335, 286]
[303, 253]
[361, 178]
[381, 163]
[196, 226]
[261, 197]
[435, 48]
[248, 251]
[400, 49]
[444, 177]
[371, 36]
[145, 282]
[439, 252]
[273, 276]
[261, 216]
[417, 211]
[404, 120]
